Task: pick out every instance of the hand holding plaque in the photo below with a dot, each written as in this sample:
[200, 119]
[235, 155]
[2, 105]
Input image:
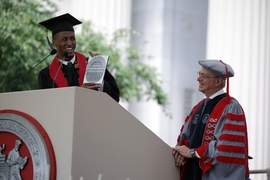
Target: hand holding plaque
[95, 69]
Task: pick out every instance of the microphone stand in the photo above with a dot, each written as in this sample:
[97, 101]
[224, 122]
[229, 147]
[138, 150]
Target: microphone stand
[53, 51]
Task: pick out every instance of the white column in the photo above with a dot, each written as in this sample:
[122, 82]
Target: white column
[238, 33]
[175, 36]
[148, 18]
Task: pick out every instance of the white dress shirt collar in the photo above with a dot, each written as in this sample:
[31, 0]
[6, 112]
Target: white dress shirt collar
[66, 62]
[221, 91]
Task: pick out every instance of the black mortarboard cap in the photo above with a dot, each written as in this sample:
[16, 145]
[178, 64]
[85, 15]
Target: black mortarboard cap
[60, 23]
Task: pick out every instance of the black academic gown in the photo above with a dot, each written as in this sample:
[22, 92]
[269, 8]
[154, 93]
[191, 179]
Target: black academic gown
[110, 87]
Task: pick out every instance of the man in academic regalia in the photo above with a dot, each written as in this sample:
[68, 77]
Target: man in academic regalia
[213, 142]
[73, 64]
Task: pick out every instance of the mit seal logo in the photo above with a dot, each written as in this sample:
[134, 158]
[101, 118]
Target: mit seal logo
[26, 151]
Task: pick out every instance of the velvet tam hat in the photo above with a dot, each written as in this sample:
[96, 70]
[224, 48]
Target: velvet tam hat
[217, 67]
[61, 23]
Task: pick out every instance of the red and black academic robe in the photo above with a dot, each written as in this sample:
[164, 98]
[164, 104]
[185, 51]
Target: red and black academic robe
[218, 131]
[50, 77]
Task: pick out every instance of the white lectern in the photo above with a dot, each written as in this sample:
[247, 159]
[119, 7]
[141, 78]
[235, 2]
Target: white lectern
[93, 136]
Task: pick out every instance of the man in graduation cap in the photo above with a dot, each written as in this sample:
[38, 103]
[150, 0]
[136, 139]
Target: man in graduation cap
[68, 66]
[213, 142]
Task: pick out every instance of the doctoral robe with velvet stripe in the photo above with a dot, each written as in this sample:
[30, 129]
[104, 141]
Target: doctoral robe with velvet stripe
[218, 132]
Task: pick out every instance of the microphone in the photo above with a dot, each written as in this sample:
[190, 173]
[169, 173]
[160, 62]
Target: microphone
[53, 51]
[65, 55]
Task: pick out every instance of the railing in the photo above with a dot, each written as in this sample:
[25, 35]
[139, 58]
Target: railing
[262, 171]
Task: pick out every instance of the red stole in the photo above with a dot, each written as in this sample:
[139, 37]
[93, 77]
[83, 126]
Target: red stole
[206, 162]
[213, 120]
[60, 80]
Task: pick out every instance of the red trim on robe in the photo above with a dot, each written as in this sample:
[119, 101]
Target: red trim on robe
[60, 80]
[206, 162]
[187, 118]
[233, 137]
[185, 142]
[234, 127]
[182, 128]
[235, 117]
[231, 148]
[234, 160]
[183, 168]
[178, 138]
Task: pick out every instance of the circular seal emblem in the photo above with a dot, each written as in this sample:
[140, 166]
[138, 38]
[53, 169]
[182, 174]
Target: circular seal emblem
[195, 119]
[26, 151]
[205, 118]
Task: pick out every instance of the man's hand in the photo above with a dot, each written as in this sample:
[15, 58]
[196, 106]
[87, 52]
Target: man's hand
[178, 158]
[92, 54]
[183, 150]
[92, 86]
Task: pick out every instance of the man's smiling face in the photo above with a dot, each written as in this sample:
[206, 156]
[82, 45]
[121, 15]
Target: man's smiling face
[65, 41]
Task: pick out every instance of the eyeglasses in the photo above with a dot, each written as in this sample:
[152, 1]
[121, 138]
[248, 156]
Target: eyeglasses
[204, 76]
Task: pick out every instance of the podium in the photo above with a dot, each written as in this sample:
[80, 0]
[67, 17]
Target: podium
[94, 137]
